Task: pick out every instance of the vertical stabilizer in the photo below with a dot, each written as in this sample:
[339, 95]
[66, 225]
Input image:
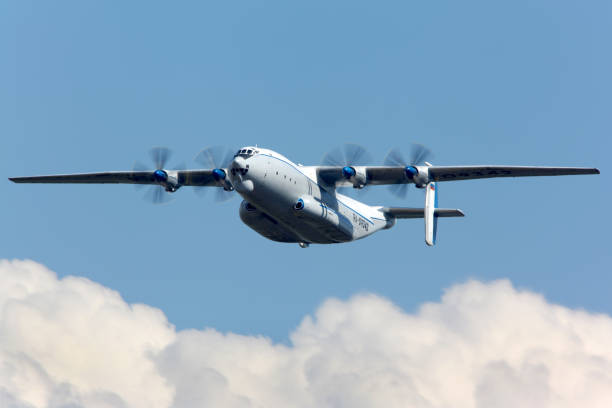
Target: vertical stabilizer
[431, 221]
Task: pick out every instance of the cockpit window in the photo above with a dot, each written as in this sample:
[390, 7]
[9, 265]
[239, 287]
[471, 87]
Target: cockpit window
[246, 153]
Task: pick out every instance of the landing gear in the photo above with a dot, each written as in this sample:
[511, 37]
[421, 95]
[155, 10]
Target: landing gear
[303, 244]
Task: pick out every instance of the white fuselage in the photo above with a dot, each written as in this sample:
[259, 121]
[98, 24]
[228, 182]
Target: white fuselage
[272, 186]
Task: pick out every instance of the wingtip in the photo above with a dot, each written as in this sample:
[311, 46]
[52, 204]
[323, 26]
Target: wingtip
[18, 180]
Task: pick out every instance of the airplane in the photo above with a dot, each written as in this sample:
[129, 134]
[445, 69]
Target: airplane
[288, 202]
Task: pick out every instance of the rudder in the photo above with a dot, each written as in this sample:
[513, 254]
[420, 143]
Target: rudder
[431, 220]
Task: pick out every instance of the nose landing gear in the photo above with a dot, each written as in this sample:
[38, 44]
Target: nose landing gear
[303, 244]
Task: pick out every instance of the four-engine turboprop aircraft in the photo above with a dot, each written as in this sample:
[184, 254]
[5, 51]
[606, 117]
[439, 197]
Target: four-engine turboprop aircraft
[289, 202]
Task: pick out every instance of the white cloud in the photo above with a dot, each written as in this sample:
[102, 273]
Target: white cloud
[72, 342]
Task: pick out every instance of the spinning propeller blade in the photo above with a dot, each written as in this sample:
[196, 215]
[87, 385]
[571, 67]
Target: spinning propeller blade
[160, 156]
[157, 195]
[348, 154]
[215, 157]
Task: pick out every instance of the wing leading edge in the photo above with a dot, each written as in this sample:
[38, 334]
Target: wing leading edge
[185, 178]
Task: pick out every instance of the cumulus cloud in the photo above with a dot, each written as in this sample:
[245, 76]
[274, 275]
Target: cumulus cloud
[71, 342]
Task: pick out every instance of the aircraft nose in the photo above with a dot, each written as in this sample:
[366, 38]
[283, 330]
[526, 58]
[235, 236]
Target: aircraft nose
[239, 167]
[239, 170]
[239, 163]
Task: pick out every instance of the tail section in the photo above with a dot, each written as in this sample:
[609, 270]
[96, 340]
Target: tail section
[430, 213]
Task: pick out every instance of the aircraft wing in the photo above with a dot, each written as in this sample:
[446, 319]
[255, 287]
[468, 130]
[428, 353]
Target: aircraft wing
[381, 175]
[449, 173]
[185, 178]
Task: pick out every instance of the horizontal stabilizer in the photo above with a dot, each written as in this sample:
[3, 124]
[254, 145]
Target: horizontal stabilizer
[399, 212]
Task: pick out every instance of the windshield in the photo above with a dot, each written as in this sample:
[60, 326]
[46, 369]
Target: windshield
[246, 152]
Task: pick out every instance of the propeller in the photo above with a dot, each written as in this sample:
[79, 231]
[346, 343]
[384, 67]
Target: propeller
[160, 156]
[419, 154]
[157, 194]
[219, 159]
[347, 156]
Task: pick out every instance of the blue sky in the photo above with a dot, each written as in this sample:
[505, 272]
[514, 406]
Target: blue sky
[92, 86]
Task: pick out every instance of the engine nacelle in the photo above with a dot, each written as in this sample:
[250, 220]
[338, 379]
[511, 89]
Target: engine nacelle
[169, 179]
[263, 224]
[220, 177]
[356, 175]
[418, 174]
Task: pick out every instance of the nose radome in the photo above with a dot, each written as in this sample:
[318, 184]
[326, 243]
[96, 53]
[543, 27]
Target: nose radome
[239, 169]
[239, 163]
